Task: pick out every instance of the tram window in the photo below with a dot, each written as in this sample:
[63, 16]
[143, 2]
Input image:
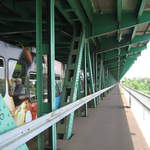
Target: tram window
[17, 78]
[31, 82]
[1, 63]
[2, 77]
[32, 86]
[32, 76]
[57, 89]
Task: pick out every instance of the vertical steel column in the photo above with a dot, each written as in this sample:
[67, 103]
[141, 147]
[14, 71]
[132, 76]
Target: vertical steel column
[106, 75]
[118, 64]
[104, 82]
[39, 90]
[96, 72]
[107, 79]
[90, 72]
[85, 78]
[51, 72]
[101, 66]
[102, 70]
[102, 75]
[98, 75]
[93, 64]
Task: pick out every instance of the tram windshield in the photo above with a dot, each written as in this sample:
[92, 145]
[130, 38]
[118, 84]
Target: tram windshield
[22, 81]
[2, 77]
[32, 85]
[17, 71]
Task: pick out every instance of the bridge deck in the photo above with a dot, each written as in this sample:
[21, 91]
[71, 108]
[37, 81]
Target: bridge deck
[109, 127]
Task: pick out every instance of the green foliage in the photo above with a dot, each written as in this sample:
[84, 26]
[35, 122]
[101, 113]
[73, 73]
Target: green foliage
[141, 84]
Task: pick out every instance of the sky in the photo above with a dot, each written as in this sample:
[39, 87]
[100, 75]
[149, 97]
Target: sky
[141, 67]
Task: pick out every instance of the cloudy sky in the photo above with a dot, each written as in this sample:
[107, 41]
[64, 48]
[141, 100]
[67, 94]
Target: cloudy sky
[141, 67]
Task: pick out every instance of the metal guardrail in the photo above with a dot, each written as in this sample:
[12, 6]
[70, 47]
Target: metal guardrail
[142, 98]
[20, 135]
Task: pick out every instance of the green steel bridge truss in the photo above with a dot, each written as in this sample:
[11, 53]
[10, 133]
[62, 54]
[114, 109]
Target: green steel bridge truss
[110, 36]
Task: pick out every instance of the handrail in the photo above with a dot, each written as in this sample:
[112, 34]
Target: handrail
[146, 95]
[20, 135]
[144, 99]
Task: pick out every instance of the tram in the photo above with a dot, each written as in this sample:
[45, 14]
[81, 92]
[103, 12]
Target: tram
[18, 82]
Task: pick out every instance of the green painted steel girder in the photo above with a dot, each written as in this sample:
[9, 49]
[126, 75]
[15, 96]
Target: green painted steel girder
[119, 17]
[90, 72]
[115, 68]
[122, 55]
[139, 39]
[59, 6]
[51, 71]
[137, 49]
[112, 61]
[107, 23]
[6, 18]
[123, 52]
[15, 7]
[132, 57]
[30, 29]
[114, 44]
[71, 82]
[132, 51]
[126, 68]
[75, 5]
[122, 60]
[119, 11]
[133, 32]
[50, 50]
[39, 88]
[17, 19]
[139, 14]
[98, 81]
[85, 80]
[88, 8]
[141, 8]
[115, 64]
[127, 65]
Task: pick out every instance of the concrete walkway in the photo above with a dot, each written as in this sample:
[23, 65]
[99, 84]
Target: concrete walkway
[111, 126]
